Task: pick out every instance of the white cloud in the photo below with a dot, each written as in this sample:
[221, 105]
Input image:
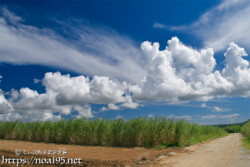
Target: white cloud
[209, 117]
[185, 117]
[9, 16]
[51, 117]
[5, 105]
[173, 28]
[226, 23]
[94, 50]
[222, 24]
[181, 73]
[219, 109]
[82, 90]
[110, 106]
[36, 81]
[84, 111]
[10, 117]
[119, 117]
[150, 116]
[231, 117]
[178, 73]
[104, 109]
[203, 105]
[129, 103]
[28, 117]
[113, 107]
[65, 94]
[159, 25]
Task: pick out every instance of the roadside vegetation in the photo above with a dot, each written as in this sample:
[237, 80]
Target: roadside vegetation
[246, 133]
[140, 132]
[233, 129]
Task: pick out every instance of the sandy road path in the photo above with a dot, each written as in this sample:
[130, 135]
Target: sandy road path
[222, 152]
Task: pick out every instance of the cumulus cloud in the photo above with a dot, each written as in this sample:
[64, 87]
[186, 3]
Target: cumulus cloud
[129, 103]
[51, 117]
[65, 94]
[82, 90]
[104, 109]
[47, 116]
[181, 73]
[122, 77]
[5, 106]
[176, 74]
[113, 107]
[110, 106]
[83, 111]
[11, 117]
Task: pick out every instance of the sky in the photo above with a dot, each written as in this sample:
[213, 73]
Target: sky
[125, 59]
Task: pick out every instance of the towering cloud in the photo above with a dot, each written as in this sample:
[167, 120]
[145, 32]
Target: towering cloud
[176, 74]
[181, 73]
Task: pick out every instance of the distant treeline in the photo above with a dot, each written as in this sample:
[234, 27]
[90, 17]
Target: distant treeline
[140, 132]
[233, 129]
[225, 125]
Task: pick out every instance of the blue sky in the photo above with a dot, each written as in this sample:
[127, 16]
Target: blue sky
[111, 59]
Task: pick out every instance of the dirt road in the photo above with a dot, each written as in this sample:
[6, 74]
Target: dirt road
[222, 152]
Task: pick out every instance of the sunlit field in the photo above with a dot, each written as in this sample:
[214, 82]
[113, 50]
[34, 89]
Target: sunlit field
[140, 132]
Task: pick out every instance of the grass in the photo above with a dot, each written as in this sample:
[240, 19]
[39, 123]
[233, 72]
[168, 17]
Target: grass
[246, 133]
[245, 143]
[140, 132]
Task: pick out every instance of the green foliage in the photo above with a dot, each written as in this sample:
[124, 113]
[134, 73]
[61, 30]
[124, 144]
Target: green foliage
[246, 129]
[246, 132]
[245, 143]
[142, 132]
[233, 129]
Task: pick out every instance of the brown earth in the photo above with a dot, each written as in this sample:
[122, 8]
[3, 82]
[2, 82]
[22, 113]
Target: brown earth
[222, 152]
[91, 155]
